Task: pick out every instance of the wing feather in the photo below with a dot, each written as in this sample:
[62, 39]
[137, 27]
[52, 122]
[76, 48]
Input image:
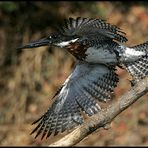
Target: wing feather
[83, 88]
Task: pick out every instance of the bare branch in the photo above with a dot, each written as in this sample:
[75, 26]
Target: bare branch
[105, 116]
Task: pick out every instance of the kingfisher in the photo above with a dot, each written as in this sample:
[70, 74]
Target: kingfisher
[99, 48]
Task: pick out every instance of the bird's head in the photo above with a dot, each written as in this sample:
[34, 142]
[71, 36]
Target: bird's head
[55, 39]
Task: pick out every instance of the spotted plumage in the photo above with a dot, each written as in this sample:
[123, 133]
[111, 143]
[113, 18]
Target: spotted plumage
[98, 49]
[80, 92]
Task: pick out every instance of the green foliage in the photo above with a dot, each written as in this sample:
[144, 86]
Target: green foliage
[8, 6]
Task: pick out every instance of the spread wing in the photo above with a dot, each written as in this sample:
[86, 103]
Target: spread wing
[80, 92]
[90, 27]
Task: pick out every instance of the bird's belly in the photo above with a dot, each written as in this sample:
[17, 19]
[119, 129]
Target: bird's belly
[100, 55]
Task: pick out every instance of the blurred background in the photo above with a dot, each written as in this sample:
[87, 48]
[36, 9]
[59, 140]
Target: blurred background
[29, 78]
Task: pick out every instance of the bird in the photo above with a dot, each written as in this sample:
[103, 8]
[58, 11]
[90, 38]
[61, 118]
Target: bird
[99, 49]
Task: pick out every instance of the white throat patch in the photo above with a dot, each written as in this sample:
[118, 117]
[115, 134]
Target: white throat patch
[65, 43]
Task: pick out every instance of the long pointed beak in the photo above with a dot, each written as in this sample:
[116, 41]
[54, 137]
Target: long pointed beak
[42, 42]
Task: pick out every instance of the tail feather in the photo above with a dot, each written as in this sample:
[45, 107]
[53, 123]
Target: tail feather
[141, 47]
[139, 69]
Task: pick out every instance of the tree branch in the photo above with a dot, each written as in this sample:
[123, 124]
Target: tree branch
[105, 116]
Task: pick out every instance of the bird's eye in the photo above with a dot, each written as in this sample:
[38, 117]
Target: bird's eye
[53, 36]
[49, 37]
